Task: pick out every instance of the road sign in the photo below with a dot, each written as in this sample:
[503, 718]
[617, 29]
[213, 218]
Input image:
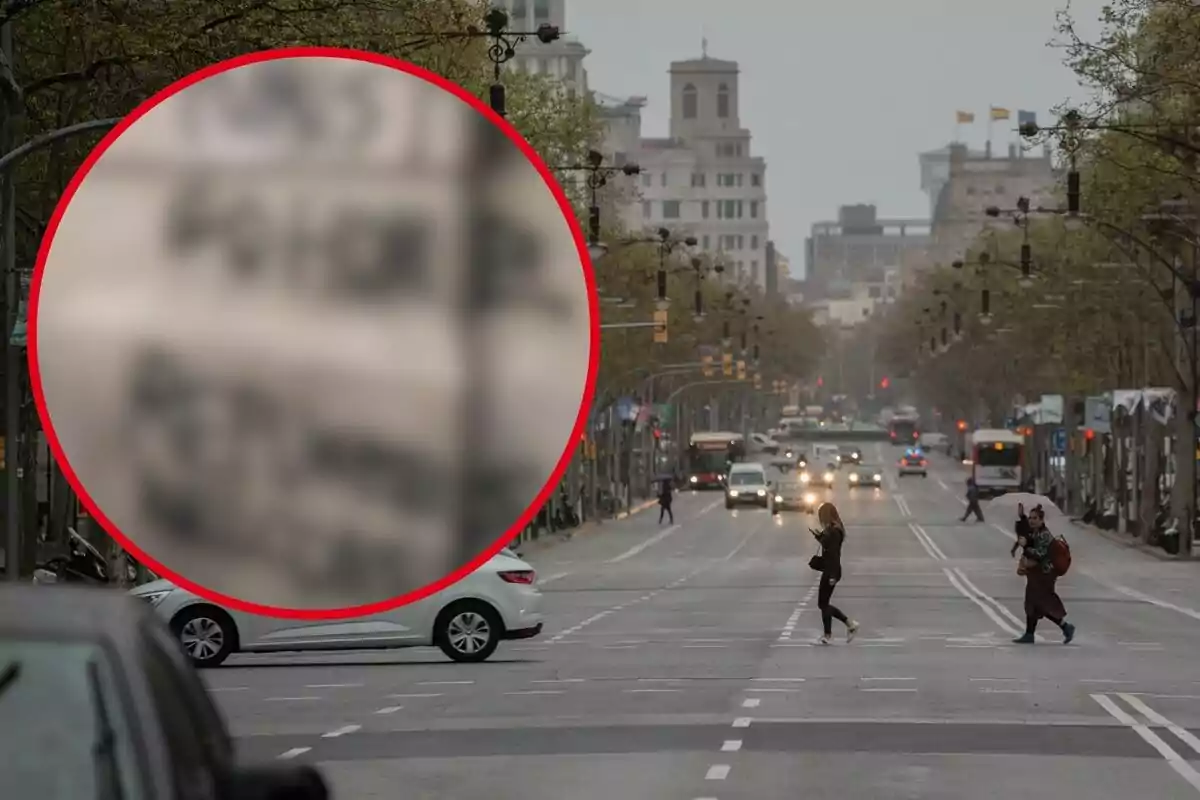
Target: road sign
[660, 326]
[1058, 440]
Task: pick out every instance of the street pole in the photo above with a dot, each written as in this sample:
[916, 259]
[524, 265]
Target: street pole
[12, 354]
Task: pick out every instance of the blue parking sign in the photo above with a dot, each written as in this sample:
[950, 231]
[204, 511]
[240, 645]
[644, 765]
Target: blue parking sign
[1058, 441]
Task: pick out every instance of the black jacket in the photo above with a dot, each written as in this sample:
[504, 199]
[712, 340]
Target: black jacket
[832, 539]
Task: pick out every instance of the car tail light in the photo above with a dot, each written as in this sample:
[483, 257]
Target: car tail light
[522, 576]
[922, 462]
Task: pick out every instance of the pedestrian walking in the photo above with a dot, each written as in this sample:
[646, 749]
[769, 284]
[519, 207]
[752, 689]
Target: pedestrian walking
[665, 496]
[828, 562]
[1041, 565]
[972, 502]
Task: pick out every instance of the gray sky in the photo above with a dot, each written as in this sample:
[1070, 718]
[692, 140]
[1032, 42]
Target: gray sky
[841, 95]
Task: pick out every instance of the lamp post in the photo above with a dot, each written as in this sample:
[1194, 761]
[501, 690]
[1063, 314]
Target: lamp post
[503, 48]
[598, 176]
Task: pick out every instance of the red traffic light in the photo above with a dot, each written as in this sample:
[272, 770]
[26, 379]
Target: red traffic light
[962, 425]
[820, 381]
[657, 433]
[885, 383]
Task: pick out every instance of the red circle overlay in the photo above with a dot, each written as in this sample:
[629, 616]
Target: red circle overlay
[512, 135]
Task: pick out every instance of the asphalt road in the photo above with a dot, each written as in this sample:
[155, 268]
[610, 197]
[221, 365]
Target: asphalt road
[679, 663]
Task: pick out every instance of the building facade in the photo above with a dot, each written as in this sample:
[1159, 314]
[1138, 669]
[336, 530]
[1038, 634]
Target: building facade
[562, 59]
[703, 178]
[860, 251]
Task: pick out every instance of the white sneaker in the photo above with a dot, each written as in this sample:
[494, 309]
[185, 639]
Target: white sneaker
[826, 639]
[851, 630]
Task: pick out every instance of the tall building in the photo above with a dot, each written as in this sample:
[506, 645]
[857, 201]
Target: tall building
[976, 181]
[562, 59]
[860, 254]
[703, 178]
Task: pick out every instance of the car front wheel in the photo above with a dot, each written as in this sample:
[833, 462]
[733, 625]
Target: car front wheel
[468, 631]
[206, 634]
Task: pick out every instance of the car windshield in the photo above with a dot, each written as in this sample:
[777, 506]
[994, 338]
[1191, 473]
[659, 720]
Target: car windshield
[746, 478]
[866, 468]
[65, 733]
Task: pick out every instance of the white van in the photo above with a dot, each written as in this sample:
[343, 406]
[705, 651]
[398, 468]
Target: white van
[747, 484]
[825, 456]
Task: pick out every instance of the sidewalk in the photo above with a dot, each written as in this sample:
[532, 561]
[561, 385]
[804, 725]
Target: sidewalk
[1128, 542]
[547, 539]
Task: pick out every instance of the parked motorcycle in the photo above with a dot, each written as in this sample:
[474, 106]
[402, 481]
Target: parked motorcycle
[83, 563]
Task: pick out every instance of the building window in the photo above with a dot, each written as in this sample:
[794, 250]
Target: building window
[741, 241]
[663, 178]
[520, 12]
[754, 242]
[670, 209]
[740, 208]
[646, 209]
[739, 178]
[704, 210]
[689, 102]
[647, 179]
[753, 209]
[705, 241]
[697, 180]
[754, 271]
[541, 11]
[723, 101]
[756, 179]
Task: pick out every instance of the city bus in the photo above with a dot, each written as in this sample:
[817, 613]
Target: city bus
[904, 432]
[997, 461]
[709, 455]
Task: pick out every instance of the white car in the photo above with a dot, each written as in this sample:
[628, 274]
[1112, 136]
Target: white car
[764, 443]
[747, 484]
[468, 620]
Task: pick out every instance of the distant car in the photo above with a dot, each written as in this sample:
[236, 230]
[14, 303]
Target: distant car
[865, 475]
[467, 620]
[913, 463]
[747, 485]
[99, 702]
[849, 455]
[764, 443]
[792, 494]
[826, 477]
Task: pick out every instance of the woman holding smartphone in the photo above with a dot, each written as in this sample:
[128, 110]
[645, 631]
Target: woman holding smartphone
[829, 563]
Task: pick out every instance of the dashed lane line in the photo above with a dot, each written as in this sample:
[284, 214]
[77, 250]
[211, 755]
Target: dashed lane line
[660, 536]
[295, 751]
[342, 731]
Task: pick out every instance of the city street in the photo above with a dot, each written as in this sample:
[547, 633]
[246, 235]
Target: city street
[679, 662]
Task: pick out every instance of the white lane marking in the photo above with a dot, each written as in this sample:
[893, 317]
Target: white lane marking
[557, 577]
[927, 542]
[561, 680]
[295, 751]
[653, 691]
[1154, 601]
[1185, 736]
[1017, 622]
[902, 504]
[731, 745]
[333, 685]
[557, 638]
[1167, 696]
[228, 688]
[751, 702]
[741, 722]
[779, 680]
[342, 731]
[1102, 680]
[984, 607]
[406, 696]
[889, 679]
[705, 646]
[662, 680]
[291, 699]
[773, 691]
[658, 537]
[389, 710]
[890, 689]
[942, 484]
[1001, 680]
[1176, 761]
[717, 772]
[446, 683]
[528, 692]
[993, 690]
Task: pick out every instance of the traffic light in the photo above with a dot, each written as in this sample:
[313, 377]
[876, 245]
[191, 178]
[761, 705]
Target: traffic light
[660, 326]
[820, 381]
[885, 383]
[727, 364]
[741, 375]
[757, 380]
[962, 424]
[706, 366]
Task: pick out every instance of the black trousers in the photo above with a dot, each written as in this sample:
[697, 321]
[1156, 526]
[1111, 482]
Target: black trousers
[665, 510]
[973, 508]
[829, 612]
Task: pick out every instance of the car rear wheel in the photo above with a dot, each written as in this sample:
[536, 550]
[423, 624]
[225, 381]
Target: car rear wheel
[206, 634]
[468, 631]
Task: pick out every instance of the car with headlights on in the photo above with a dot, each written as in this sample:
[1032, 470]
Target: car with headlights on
[747, 484]
[865, 475]
[824, 478]
[792, 494]
[913, 462]
[467, 620]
